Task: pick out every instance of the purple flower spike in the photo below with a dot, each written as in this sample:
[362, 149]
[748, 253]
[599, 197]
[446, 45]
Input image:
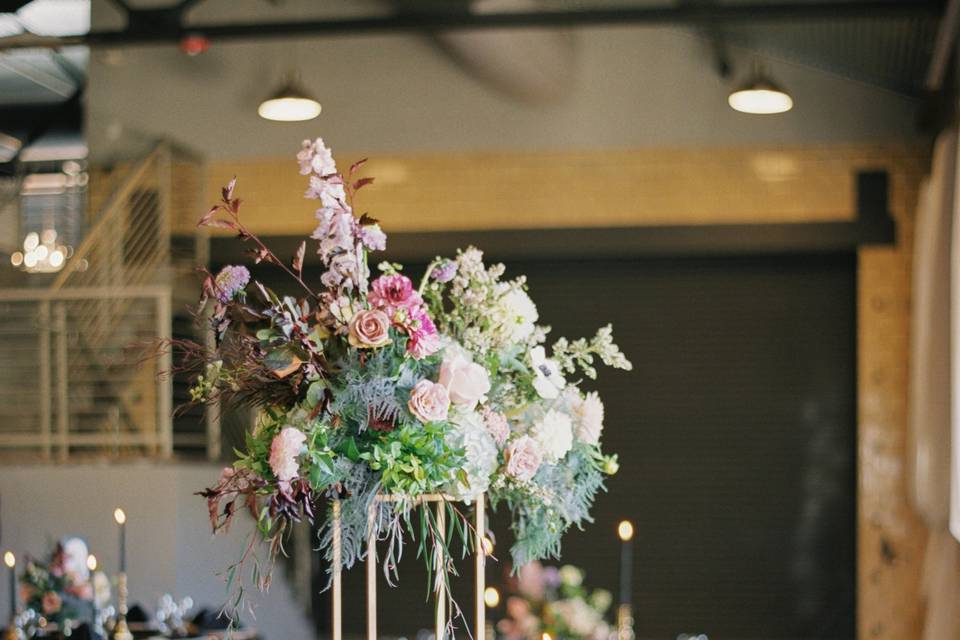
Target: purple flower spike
[230, 282]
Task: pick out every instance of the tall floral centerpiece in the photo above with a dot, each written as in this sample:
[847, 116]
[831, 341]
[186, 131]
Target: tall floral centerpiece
[370, 385]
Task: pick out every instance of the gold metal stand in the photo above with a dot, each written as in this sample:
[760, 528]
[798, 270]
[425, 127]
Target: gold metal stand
[120, 630]
[441, 617]
[624, 623]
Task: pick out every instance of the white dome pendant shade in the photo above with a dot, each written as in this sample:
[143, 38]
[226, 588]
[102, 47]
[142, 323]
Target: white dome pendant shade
[291, 103]
[760, 95]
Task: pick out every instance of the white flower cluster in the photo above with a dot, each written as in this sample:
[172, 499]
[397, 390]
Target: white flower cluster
[480, 452]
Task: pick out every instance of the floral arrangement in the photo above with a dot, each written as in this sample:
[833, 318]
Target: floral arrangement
[61, 589]
[368, 385]
[547, 601]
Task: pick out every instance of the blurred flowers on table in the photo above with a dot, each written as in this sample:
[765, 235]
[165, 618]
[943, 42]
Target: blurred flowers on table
[550, 601]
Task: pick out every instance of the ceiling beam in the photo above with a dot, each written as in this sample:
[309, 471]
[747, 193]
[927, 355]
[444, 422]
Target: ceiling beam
[943, 47]
[11, 6]
[439, 20]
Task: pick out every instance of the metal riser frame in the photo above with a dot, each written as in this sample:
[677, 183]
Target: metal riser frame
[440, 596]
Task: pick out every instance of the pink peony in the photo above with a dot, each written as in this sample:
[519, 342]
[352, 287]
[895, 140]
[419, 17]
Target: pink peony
[369, 329]
[394, 292]
[429, 401]
[466, 382]
[497, 426]
[523, 458]
[284, 451]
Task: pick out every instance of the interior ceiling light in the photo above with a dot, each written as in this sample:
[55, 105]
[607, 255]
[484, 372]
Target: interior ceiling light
[56, 17]
[760, 95]
[291, 103]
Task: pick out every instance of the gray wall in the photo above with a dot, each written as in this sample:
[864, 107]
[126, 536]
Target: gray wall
[170, 548]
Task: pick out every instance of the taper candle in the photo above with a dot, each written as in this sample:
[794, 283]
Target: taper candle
[121, 518]
[11, 561]
[625, 532]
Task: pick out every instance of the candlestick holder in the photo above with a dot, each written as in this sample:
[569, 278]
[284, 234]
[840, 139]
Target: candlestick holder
[13, 631]
[120, 630]
[624, 622]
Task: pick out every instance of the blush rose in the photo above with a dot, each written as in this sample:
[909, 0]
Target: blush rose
[524, 458]
[466, 382]
[429, 401]
[369, 329]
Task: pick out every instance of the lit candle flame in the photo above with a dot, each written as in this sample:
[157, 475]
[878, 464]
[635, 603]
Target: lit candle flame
[92, 562]
[9, 559]
[547, 636]
[119, 515]
[491, 597]
[625, 530]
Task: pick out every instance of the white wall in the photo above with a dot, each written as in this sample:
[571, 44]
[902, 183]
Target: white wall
[631, 87]
[170, 548]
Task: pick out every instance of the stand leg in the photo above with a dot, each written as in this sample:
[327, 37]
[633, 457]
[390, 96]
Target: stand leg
[372, 571]
[480, 563]
[337, 577]
[440, 623]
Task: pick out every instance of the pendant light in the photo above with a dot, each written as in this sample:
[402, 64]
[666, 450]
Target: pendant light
[290, 103]
[760, 95]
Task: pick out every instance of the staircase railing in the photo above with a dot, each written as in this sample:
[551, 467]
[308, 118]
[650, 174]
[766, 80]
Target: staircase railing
[72, 381]
[66, 390]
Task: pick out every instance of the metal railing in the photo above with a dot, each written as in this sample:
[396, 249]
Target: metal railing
[74, 376]
[65, 388]
[129, 243]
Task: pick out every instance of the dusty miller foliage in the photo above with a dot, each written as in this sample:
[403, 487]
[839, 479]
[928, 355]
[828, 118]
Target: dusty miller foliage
[371, 391]
[360, 486]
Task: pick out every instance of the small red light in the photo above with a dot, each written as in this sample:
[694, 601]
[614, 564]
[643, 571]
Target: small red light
[194, 44]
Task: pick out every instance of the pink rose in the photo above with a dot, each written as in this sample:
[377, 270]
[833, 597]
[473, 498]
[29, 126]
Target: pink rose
[497, 426]
[369, 329]
[51, 602]
[523, 458]
[393, 292]
[429, 401]
[466, 381]
[284, 451]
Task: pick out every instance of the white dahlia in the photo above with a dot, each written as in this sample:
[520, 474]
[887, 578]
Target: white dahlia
[554, 433]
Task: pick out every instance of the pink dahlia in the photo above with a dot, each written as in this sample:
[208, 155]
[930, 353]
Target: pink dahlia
[424, 340]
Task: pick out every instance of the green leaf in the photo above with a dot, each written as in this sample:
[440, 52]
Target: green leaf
[281, 362]
[349, 448]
